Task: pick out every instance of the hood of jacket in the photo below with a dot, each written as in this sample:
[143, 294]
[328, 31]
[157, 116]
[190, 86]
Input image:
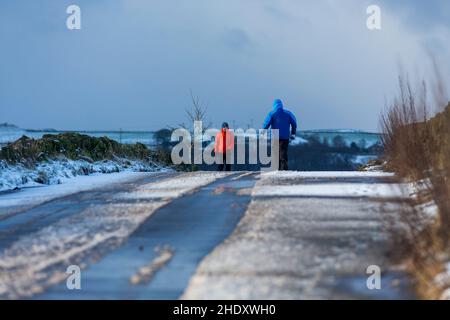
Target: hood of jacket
[277, 105]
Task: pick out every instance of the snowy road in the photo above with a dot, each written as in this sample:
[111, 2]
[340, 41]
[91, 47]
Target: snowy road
[202, 235]
[306, 236]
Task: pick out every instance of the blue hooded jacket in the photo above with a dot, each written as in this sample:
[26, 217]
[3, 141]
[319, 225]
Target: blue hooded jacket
[282, 120]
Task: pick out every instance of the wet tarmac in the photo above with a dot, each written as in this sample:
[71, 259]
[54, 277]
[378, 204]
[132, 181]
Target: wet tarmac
[201, 245]
[190, 227]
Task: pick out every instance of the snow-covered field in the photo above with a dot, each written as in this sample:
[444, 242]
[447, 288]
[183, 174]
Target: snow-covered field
[10, 135]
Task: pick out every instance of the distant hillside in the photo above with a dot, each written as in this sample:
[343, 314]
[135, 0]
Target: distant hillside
[7, 125]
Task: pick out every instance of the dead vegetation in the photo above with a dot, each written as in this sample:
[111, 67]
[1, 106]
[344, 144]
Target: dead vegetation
[417, 148]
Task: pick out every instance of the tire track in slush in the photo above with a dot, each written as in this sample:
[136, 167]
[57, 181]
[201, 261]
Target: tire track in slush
[26, 222]
[164, 252]
[30, 262]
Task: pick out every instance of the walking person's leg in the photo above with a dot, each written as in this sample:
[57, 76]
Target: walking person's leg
[280, 154]
[227, 164]
[220, 166]
[284, 144]
[286, 158]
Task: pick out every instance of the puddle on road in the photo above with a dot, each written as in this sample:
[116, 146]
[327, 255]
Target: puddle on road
[239, 187]
[394, 286]
[238, 184]
[146, 273]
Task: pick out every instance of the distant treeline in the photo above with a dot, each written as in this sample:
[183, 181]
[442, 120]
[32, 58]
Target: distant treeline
[315, 154]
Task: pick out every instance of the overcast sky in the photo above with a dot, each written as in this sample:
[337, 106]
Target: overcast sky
[133, 62]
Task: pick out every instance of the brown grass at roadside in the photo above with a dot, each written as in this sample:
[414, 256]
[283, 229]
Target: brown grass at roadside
[418, 149]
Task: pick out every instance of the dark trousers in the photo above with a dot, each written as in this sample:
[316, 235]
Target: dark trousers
[224, 165]
[283, 159]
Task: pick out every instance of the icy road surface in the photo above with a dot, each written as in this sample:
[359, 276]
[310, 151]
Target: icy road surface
[201, 235]
[306, 235]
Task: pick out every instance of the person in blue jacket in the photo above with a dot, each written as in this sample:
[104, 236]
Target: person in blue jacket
[283, 120]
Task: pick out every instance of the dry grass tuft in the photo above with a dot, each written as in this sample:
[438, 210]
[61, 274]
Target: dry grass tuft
[418, 149]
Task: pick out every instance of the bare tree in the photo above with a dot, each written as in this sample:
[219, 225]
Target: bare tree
[197, 112]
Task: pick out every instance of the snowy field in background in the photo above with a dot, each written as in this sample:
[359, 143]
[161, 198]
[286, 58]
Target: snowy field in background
[10, 134]
[148, 137]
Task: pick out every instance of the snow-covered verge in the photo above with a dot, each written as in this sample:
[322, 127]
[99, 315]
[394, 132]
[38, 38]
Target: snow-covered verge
[418, 225]
[439, 282]
[415, 225]
[443, 279]
[429, 214]
[13, 176]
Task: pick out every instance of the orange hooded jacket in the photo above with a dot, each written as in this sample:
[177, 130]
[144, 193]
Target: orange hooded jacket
[224, 141]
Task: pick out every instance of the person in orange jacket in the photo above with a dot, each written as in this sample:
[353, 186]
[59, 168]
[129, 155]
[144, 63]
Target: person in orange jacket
[224, 144]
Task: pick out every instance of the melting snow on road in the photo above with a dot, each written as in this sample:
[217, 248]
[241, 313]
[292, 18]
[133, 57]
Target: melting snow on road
[169, 189]
[39, 260]
[33, 196]
[301, 231]
[332, 184]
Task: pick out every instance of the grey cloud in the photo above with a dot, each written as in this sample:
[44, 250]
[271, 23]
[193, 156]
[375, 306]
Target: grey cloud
[133, 63]
[236, 39]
